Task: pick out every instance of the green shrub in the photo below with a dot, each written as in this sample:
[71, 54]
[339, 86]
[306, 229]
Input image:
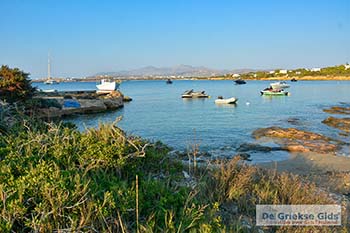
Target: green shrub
[53, 178]
[14, 85]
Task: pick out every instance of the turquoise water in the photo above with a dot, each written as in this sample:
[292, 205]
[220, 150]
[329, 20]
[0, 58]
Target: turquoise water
[158, 112]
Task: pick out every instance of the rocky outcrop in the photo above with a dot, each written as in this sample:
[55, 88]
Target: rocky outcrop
[338, 110]
[339, 123]
[127, 99]
[295, 140]
[81, 103]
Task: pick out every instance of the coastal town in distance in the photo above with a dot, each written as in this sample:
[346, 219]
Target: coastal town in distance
[186, 72]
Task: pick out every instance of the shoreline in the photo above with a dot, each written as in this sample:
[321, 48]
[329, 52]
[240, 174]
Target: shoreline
[327, 171]
[282, 78]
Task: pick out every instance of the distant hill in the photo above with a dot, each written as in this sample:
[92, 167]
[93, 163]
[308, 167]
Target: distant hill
[180, 70]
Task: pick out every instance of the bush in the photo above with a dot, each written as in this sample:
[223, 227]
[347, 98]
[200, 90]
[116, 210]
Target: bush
[56, 178]
[14, 85]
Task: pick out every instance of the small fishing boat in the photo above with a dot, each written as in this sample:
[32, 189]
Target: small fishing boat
[221, 100]
[169, 81]
[51, 82]
[106, 85]
[240, 81]
[274, 92]
[293, 80]
[48, 90]
[279, 85]
[194, 94]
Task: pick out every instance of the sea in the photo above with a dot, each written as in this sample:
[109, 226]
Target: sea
[158, 113]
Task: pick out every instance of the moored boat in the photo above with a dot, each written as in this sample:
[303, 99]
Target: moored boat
[51, 82]
[48, 90]
[279, 85]
[194, 94]
[221, 100]
[106, 85]
[293, 80]
[240, 81]
[169, 81]
[274, 92]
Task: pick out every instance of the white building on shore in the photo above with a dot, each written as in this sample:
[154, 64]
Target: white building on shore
[316, 69]
[283, 71]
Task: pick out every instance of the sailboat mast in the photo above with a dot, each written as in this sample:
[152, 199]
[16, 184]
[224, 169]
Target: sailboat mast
[48, 67]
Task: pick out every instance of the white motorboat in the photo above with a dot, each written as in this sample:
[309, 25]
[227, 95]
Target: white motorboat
[279, 85]
[51, 82]
[106, 85]
[48, 91]
[221, 100]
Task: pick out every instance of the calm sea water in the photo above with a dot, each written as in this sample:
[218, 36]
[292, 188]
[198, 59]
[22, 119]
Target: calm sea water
[158, 112]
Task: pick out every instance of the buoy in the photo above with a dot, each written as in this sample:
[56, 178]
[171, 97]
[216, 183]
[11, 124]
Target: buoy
[247, 103]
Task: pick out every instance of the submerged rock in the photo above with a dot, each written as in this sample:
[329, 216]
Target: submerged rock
[256, 147]
[339, 123]
[127, 99]
[295, 140]
[294, 121]
[243, 156]
[338, 110]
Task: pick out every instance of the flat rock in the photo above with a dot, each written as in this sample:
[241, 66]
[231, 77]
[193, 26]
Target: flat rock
[256, 147]
[338, 110]
[294, 121]
[295, 140]
[86, 102]
[339, 123]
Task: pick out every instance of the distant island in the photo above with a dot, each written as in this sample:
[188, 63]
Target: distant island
[183, 72]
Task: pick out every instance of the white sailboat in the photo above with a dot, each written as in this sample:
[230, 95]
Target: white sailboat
[49, 81]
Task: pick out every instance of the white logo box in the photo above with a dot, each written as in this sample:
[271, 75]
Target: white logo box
[298, 215]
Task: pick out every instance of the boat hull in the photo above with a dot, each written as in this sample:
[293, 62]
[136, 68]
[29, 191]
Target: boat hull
[107, 86]
[195, 96]
[226, 101]
[240, 82]
[274, 93]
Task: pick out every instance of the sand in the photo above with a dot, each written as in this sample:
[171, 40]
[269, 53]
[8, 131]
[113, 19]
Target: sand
[327, 171]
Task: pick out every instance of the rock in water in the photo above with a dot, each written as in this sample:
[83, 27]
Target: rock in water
[338, 110]
[256, 147]
[339, 123]
[295, 140]
[243, 156]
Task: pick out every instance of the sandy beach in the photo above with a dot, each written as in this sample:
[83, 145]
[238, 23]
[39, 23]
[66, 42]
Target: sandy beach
[326, 170]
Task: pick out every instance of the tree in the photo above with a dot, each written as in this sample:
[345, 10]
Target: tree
[14, 85]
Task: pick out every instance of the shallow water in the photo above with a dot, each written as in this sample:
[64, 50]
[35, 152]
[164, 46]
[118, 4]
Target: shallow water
[158, 112]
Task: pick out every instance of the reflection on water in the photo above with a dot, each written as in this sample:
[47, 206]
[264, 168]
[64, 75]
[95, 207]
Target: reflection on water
[158, 112]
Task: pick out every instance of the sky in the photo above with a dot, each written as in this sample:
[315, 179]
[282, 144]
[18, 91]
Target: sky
[84, 37]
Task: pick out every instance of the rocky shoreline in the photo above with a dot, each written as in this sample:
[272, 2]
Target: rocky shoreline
[59, 104]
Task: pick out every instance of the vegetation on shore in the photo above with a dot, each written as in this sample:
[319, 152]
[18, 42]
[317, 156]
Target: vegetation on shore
[14, 85]
[53, 177]
[326, 73]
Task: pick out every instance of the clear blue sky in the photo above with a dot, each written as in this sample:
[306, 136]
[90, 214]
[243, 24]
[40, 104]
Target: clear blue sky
[89, 36]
